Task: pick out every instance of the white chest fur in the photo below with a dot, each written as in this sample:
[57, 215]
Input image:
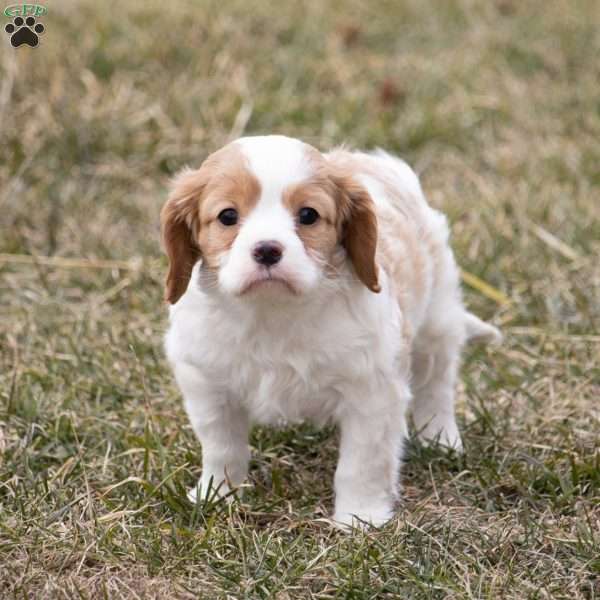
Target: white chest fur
[287, 361]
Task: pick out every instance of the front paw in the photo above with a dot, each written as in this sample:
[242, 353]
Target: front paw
[444, 434]
[374, 515]
[208, 491]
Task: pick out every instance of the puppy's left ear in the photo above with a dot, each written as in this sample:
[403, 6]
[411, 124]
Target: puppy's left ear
[359, 235]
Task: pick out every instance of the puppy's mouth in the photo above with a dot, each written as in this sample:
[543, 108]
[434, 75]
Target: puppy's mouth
[266, 280]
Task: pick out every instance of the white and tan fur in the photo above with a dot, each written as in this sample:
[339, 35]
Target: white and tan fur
[360, 320]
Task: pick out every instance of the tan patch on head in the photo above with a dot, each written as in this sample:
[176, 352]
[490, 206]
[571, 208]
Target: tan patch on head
[321, 238]
[347, 218]
[231, 185]
[189, 220]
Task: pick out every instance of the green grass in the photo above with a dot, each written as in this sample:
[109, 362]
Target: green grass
[495, 103]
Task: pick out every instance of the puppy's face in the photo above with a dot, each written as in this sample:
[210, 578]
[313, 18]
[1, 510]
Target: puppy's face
[267, 215]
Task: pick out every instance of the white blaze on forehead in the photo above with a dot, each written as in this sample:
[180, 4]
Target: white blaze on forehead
[277, 162]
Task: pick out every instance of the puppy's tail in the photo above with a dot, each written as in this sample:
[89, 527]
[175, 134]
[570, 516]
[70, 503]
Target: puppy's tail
[480, 332]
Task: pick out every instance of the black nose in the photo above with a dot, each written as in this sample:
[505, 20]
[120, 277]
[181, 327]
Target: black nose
[267, 253]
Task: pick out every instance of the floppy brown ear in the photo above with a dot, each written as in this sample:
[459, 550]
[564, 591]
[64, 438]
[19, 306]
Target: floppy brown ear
[360, 231]
[178, 221]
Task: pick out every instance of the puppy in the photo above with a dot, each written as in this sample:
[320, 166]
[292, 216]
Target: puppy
[310, 286]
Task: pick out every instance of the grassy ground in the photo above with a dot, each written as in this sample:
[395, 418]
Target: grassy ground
[495, 103]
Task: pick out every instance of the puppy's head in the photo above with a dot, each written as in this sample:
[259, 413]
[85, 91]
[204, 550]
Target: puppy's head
[267, 215]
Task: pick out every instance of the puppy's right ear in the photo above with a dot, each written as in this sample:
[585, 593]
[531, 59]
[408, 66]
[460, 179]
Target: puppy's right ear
[179, 228]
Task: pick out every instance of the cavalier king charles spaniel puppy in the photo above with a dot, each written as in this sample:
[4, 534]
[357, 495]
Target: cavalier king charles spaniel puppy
[313, 286]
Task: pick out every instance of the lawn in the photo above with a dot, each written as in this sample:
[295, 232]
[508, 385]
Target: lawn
[495, 103]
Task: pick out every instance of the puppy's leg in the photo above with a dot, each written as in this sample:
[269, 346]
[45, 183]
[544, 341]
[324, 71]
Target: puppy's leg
[222, 427]
[373, 429]
[435, 366]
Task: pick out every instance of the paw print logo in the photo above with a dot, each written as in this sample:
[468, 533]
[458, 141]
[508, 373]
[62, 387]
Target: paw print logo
[24, 31]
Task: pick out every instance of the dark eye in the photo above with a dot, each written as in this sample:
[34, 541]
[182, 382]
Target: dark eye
[307, 215]
[228, 217]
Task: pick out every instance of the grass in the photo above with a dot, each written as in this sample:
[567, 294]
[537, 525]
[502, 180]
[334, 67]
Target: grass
[495, 103]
